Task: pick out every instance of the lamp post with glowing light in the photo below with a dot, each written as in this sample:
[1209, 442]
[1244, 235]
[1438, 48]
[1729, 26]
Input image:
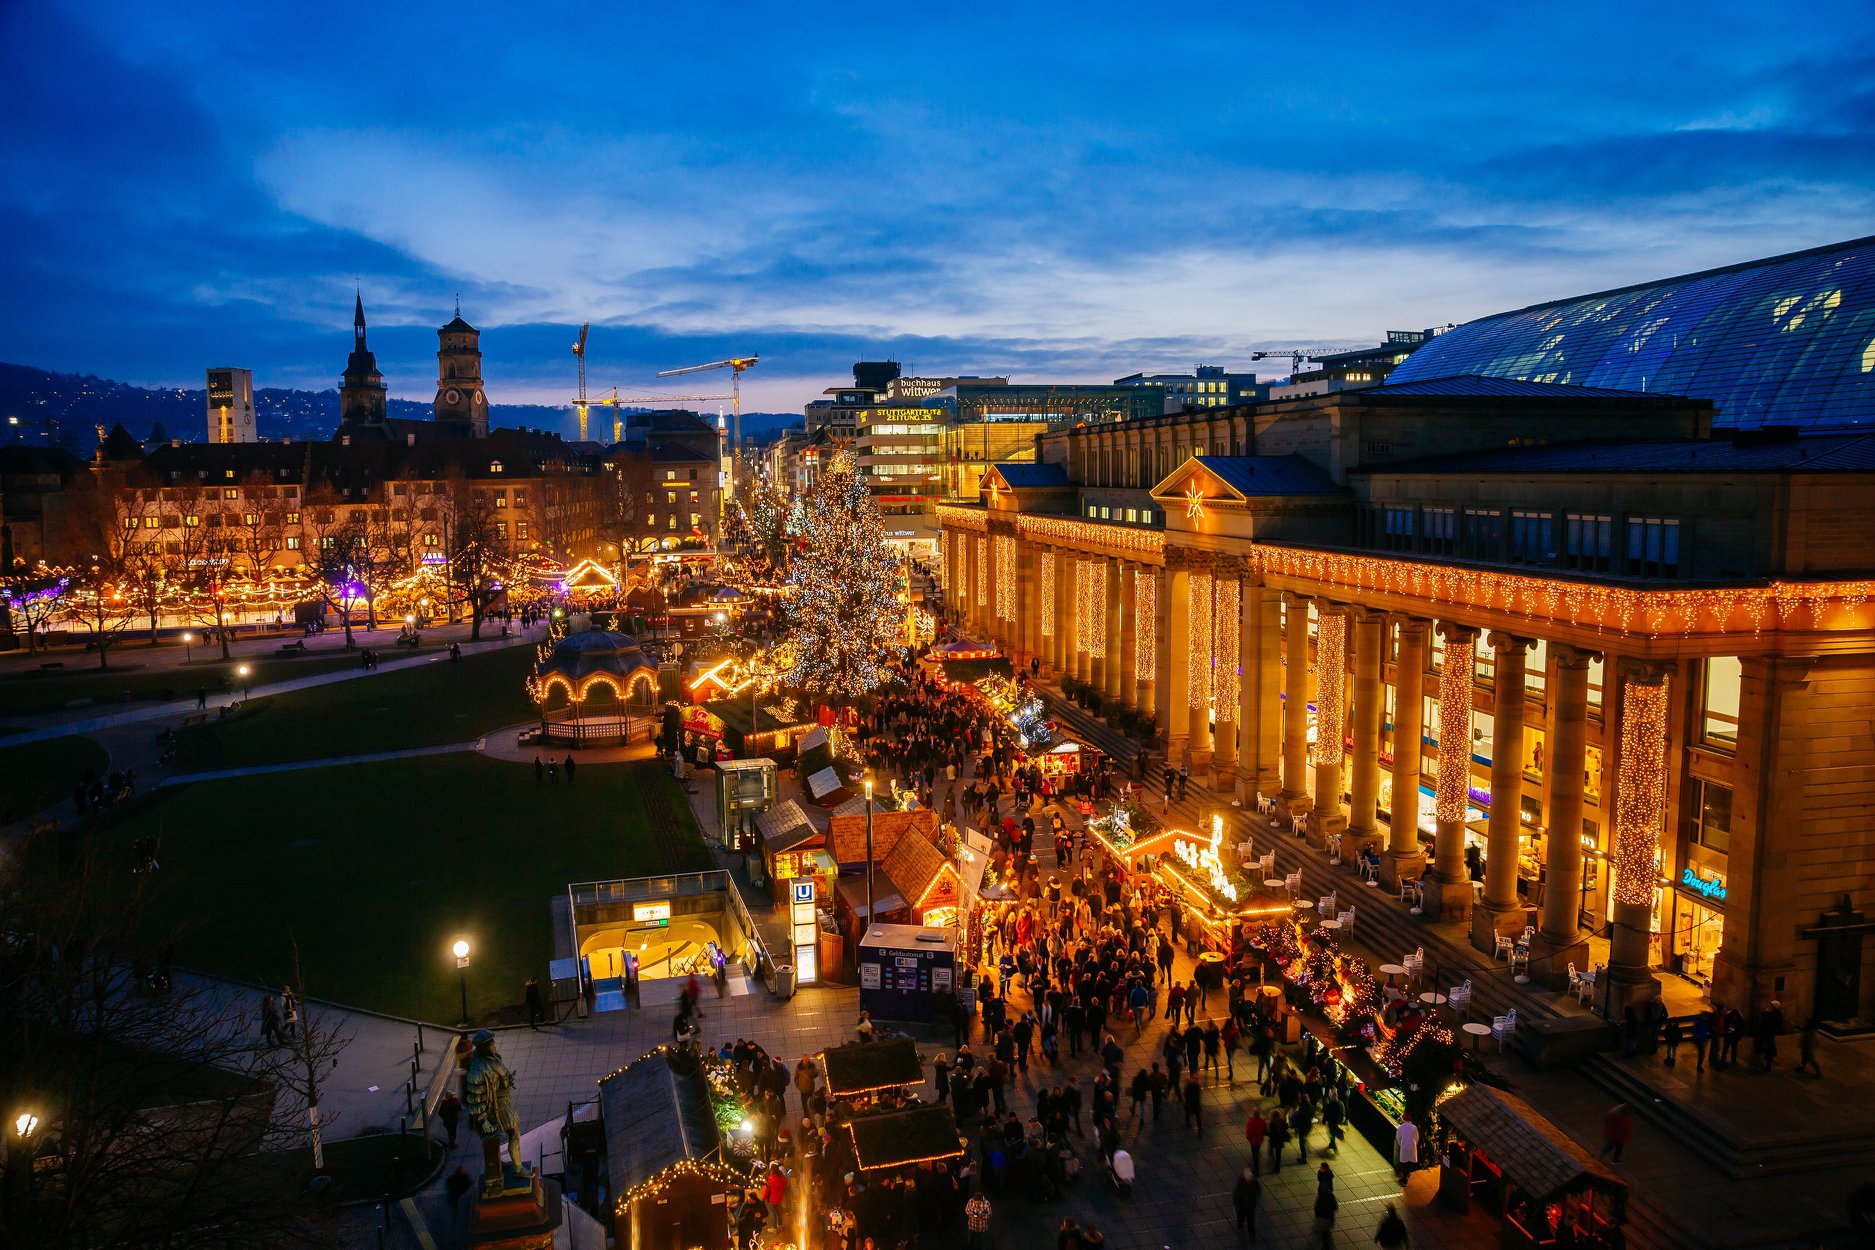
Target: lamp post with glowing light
[188, 646]
[244, 671]
[461, 952]
[20, 1151]
[870, 918]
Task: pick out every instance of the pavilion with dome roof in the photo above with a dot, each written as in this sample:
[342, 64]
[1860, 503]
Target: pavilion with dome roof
[589, 685]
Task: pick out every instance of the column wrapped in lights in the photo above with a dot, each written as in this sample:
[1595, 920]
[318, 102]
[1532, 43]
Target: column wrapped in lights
[1225, 635]
[1097, 608]
[1083, 607]
[1046, 563]
[1005, 548]
[1641, 789]
[1331, 681]
[1455, 678]
[983, 571]
[1198, 659]
[1145, 623]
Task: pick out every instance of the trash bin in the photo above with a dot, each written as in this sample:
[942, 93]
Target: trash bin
[784, 981]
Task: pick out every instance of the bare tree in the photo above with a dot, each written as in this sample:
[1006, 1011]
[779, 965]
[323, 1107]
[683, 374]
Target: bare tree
[476, 561]
[337, 552]
[158, 1109]
[103, 542]
[259, 529]
[34, 600]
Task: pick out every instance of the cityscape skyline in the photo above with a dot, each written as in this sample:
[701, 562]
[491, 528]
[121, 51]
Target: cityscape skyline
[208, 198]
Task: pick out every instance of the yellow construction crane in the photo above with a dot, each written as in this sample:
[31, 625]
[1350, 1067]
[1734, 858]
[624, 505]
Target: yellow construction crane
[617, 402]
[579, 354]
[737, 365]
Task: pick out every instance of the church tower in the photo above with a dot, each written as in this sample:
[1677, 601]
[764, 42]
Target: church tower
[460, 405]
[362, 392]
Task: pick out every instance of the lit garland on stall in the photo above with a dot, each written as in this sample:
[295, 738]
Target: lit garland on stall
[717, 1173]
[1005, 577]
[1097, 602]
[983, 571]
[1455, 678]
[1227, 632]
[1198, 637]
[1640, 792]
[1145, 623]
[1046, 562]
[1331, 687]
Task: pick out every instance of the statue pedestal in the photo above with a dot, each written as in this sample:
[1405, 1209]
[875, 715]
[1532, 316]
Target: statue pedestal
[517, 1212]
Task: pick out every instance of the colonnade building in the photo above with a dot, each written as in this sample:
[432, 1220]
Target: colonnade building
[1624, 660]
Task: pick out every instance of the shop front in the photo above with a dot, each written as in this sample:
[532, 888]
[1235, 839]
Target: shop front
[1698, 921]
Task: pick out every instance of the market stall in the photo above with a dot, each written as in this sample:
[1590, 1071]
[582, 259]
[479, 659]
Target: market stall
[663, 1154]
[1217, 900]
[791, 848]
[1506, 1156]
[920, 1133]
[964, 661]
[859, 1072]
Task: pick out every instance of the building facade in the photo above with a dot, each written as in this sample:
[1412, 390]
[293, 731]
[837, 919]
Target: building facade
[231, 406]
[1561, 640]
[460, 405]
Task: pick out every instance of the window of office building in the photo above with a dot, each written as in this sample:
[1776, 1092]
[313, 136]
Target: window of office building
[1709, 815]
[1399, 528]
[1532, 538]
[1588, 540]
[1439, 527]
[1720, 701]
[1653, 546]
[1483, 533]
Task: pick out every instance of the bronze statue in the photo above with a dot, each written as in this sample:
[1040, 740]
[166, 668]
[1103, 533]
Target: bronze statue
[490, 1104]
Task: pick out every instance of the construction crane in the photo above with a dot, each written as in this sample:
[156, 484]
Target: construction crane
[579, 354]
[736, 365]
[1295, 359]
[618, 402]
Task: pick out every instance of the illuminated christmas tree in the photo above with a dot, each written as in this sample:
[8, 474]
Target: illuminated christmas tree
[845, 613]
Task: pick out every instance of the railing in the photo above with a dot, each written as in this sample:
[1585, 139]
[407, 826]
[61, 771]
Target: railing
[677, 885]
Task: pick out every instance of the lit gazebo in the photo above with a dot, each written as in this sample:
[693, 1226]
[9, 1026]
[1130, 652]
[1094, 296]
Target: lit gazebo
[590, 683]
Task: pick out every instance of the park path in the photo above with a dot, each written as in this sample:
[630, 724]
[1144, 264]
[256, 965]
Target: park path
[331, 761]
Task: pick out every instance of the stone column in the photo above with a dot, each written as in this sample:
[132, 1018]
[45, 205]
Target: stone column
[1502, 914]
[1403, 857]
[1294, 796]
[1331, 686]
[1064, 611]
[1558, 936]
[1113, 620]
[1125, 580]
[1083, 627]
[1148, 636]
[1226, 689]
[1447, 885]
[1640, 807]
[1364, 767]
[1200, 675]
[1174, 677]
[1027, 627]
[1263, 708]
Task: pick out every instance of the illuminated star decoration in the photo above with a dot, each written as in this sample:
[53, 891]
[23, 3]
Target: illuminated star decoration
[1194, 502]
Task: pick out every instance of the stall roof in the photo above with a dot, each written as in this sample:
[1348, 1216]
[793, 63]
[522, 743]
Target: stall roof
[1538, 1156]
[785, 826]
[847, 830]
[923, 1133]
[853, 890]
[977, 669]
[862, 1067]
[913, 866]
[655, 1116]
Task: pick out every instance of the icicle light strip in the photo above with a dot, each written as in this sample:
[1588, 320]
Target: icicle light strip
[1641, 789]
[1331, 686]
[1227, 632]
[1145, 623]
[1198, 661]
[1455, 676]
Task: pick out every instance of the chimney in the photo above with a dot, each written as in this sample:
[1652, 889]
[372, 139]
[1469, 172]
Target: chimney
[175, 442]
[345, 440]
[410, 440]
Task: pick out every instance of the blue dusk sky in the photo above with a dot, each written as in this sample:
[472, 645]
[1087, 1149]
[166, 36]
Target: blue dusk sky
[1056, 191]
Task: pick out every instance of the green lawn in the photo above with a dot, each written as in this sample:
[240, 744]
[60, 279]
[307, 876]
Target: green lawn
[428, 703]
[34, 775]
[31, 690]
[377, 868]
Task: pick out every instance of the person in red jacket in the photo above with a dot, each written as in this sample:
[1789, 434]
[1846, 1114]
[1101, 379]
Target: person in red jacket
[1617, 1130]
[1255, 1129]
[775, 1194]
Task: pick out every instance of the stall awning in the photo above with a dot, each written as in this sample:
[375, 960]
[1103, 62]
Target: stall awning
[924, 1133]
[784, 827]
[1537, 1156]
[864, 1067]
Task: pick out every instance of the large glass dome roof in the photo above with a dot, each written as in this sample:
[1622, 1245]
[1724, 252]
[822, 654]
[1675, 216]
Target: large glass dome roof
[1789, 340]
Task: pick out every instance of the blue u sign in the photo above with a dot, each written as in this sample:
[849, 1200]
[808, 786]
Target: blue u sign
[804, 891]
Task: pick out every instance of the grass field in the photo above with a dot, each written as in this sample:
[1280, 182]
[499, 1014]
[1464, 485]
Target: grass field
[29, 691]
[35, 774]
[375, 869]
[425, 704]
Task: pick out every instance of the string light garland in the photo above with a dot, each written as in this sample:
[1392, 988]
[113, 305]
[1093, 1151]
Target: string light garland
[1641, 789]
[1198, 657]
[1097, 605]
[1331, 685]
[1455, 678]
[1227, 632]
[983, 571]
[1145, 623]
[1046, 564]
[1005, 577]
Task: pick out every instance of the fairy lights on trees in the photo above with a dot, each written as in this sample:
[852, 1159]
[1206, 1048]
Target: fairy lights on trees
[843, 616]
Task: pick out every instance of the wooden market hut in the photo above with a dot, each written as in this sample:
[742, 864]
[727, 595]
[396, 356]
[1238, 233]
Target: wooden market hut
[663, 1155]
[1513, 1161]
[924, 878]
[924, 1132]
[790, 847]
[861, 1069]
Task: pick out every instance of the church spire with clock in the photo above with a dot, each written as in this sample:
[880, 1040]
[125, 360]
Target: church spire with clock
[460, 405]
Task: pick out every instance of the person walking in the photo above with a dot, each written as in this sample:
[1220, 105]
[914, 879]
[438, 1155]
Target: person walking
[1255, 1129]
[289, 1013]
[540, 771]
[1405, 1148]
[1770, 1028]
[269, 1021]
[536, 1007]
[1243, 1199]
[1702, 1034]
[1617, 1131]
[1806, 1050]
[569, 768]
[1670, 1037]
[449, 1111]
[553, 772]
[1391, 1235]
[977, 1219]
[1194, 1104]
[1278, 1138]
[1326, 1204]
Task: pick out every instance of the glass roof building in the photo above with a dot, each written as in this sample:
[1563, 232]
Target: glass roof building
[1789, 340]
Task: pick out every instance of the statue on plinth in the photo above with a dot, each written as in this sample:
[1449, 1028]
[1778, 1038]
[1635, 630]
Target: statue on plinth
[490, 1104]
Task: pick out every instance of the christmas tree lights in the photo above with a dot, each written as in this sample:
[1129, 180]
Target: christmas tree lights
[843, 616]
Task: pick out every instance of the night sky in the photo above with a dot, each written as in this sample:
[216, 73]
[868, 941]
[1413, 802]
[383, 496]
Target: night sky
[1055, 191]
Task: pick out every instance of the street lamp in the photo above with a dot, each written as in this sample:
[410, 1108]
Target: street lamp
[245, 690]
[870, 918]
[188, 646]
[24, 1125]
[461, 952]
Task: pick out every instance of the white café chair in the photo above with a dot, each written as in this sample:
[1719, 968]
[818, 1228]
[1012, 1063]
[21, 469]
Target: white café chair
[1585, 986]
[1460, 999]
[1503, 948]
[1293, 883]
[1575, 978]
[1325, 906]
[1347, 921]
[1504, 1029]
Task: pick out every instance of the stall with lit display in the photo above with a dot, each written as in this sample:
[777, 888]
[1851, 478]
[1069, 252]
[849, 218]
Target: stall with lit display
[1507, 1157]
[663, 1123]
[1218, 900]
[791, 848]
[963, 661]
[922, 1133]
[863, 1072]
